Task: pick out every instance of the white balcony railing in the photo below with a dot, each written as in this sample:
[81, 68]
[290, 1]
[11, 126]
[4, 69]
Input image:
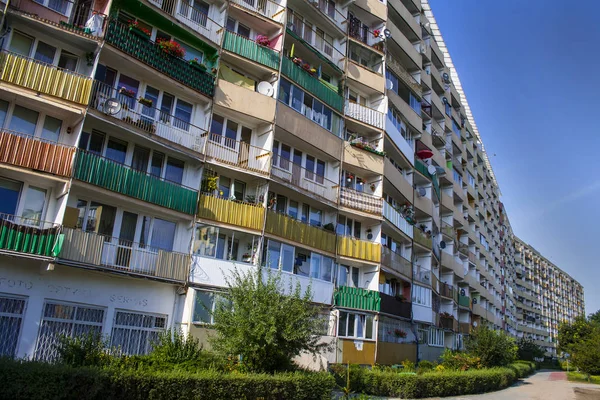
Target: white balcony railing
[267, 8]
[397, 219]
[238, 153]
[365, 114]
[302, 178]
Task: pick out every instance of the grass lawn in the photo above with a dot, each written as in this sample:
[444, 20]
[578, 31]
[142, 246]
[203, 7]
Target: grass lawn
[579, 377]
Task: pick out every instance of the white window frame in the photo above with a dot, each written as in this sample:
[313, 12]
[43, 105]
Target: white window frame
[216, 296]
[21, 200]
[357, 321]
[421, 295]
[312, 254]
[436, 337]
[39, 124]
[13, 315]
[46, 3]
[152, 331]
[229, 235]
[36, 41]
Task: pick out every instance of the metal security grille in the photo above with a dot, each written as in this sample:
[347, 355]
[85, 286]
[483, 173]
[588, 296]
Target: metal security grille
[134, 333]
[63, 319]
[11, 319]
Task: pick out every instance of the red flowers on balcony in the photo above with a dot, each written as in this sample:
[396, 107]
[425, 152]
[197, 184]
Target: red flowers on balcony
[263, 40]
[140, 30]
[171, 47]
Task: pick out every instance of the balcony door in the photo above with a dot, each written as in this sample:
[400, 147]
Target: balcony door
[126, 238]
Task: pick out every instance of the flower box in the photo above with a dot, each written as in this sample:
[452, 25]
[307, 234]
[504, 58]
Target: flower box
[146, 102]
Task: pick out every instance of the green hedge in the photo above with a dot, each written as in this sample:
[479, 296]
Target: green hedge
[438, 383]
[32, 380]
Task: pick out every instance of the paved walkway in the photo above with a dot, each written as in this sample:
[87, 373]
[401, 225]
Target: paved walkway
[544, 385]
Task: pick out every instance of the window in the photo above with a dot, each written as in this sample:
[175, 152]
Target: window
[96, 217]
[44, 53]
[67, 61]
[225, 131]
[352, 181]
[455, 129]
[11, 320]
[436, 337]
[354, 325]
[348, 227]
[204, 306]
[237, 27]
[297, 261]
[51, 129]
[65, 319]
[421, 295]
[315, 169]
[33, 206]
[60, 6]
[21, 44]
[311, 108]
[225, 244]
[24, 120]
[116, 150]
[348, 276]
[174, 170]
[195, 10]
[183, 115]
[133, 333]
[423, 335]
[92, 142]
[403, 91]
[457, 177]
[471, 179]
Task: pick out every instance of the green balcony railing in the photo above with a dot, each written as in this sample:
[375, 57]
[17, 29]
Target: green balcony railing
[251, 50]
[464, 301]
[151, 54]
[122, 179]
[312, 84]
[422, 168]
[357, 298]
[30, 236]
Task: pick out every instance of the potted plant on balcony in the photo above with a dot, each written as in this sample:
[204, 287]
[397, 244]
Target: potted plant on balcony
[171, 47]
[127, 92]
[197, 64]
[329, 227]
[136, 29]
[399, 333]
[262, 40]
[146, 102]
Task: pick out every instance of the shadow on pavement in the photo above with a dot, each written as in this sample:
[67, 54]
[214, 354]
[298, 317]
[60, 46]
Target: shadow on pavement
[586, 394]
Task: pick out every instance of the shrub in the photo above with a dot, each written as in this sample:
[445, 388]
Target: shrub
[83, 351]
[494, 348]
[461, 361]
[33, 380]
[528, 350]
[523, 368]
[425, 366]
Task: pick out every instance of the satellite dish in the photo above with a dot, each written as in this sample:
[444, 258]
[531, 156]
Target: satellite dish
[475, 324]
[442, 245]
[111, 106]
[446, 77]
[445, 100]
[463, 292]
[474, 301]
[421, 192]
[265, 88]
[387, 33]
[389, 85]
[432, 170]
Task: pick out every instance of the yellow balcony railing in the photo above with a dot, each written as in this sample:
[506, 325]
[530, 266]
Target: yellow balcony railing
[291, 229]
[246, 215]
[361, 249]
[44, 78]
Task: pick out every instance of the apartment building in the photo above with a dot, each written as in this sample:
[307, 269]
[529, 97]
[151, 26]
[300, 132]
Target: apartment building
[150, 147]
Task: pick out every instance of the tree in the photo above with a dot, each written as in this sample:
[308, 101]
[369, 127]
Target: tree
[571, 334]
[586, 354]
[494, 348]
[595, 318]
[265, 324]
[528, 350]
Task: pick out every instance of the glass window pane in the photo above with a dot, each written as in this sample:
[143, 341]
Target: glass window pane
[9, 196]
[141, 156]
[284, 91]
[221, 247]
[287, 258]
[21, 44]
[23, 120]
[342, 322]
[326, 271]
[315, 217]
[174, 172]
[144, 231]
[3, 111]
[243, 31]
[128, 89]
[293, 209]
[231, 133]
[351, 322]
[272, 260]
[206, 241]
[96, 143]
[67, 61]
[343, 276]
[297, 98]
[203, 303]
[45, 53]
[183, 113]
[315, 265]
[35, 198]
[157, 163]
[369, 327]
[116, 150]
[225, 186]
[101, 219]
[163, 234]
[216, 127]
[51, 129]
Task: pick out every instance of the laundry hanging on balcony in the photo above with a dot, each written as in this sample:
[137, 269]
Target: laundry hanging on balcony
[93, 26]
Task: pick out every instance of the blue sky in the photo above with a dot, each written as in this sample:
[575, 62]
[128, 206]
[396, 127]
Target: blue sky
[530, 72]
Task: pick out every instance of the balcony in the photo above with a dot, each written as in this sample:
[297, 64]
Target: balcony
[245, 101]
[422, 239]
[289, 228]
[237, 213]
[44, 78]
[396, 263]
[360, 249]
[465, 328]
[357, 298]
[364, 159]
[365, 115]
[93, 250]
[400, 71]
[449, 323]
[238, 154]
[396, 177]
[148, 52]
[305, 180]
[251, 50]
[64, 15]
[37, 154]
[464, 301]
[151, 120]
[361, 201]
[447, 229]
[266, 8]
[463, 248]
[29, 237]
[312, 84]
[397, 219]
[446, 290]
[371, 81]
[422, 275]
[375, 7]
[119, 178]
[394, 306]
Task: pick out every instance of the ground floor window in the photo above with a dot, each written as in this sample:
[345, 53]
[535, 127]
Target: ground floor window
[65, 319]
[11, 319]
[436, 337]
[359, 326]
[134, 333]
